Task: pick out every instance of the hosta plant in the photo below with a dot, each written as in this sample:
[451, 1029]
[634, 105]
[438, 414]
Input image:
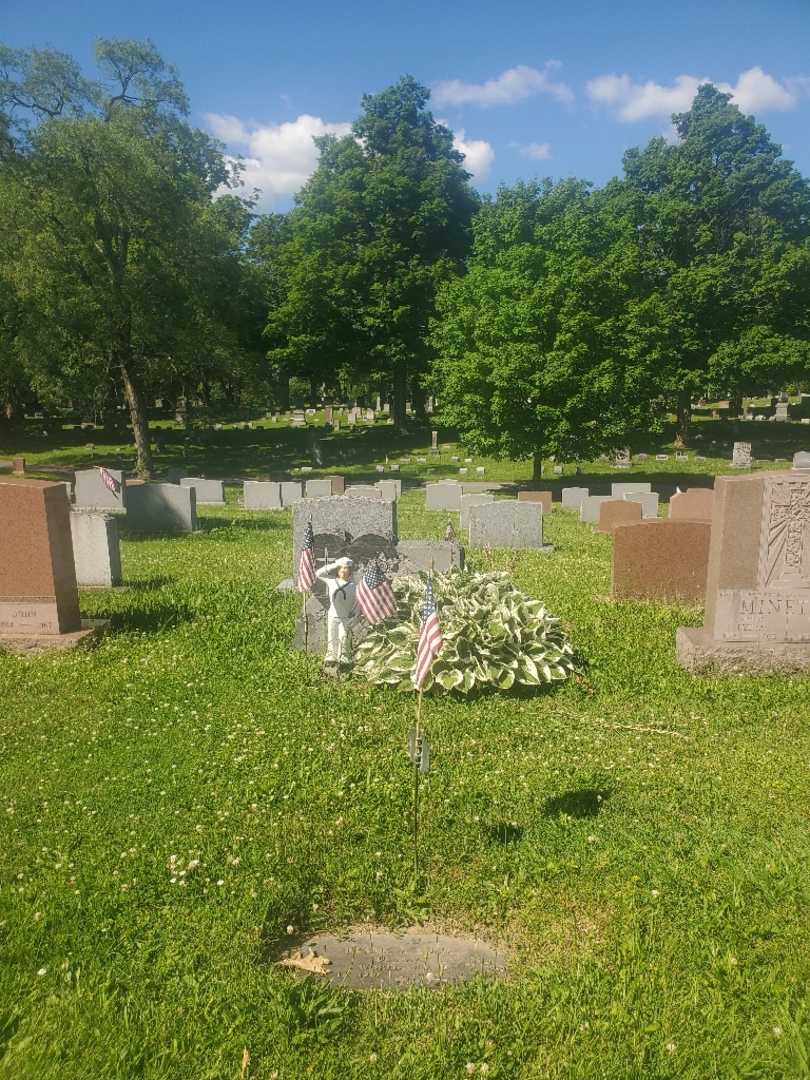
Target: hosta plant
[494, 636]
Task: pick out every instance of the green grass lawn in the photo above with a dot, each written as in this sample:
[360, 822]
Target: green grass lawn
[639, 840]
[278, 451]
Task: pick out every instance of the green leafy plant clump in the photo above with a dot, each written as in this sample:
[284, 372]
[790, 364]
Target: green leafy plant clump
[494, 636]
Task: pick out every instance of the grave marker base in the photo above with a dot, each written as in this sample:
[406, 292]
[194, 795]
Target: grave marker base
[33, 644]
[700, 654]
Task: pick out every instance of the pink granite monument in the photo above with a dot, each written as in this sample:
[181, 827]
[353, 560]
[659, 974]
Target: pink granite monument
[39, 602]
[758, 584]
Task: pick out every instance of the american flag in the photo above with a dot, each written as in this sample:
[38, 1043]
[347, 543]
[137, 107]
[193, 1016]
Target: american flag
[109, 481]
[375, 597]
[430, 640]
[306, 564]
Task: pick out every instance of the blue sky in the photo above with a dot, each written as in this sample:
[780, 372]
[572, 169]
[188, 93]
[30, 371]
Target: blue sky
[530, 89]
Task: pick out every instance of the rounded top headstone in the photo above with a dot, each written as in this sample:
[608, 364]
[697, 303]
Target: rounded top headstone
[801, 461]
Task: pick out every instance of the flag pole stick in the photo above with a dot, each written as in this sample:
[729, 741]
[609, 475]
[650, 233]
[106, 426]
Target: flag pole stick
[305, 612]
[416, 765]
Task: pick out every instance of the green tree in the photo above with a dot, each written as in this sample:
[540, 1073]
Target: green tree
[380, 224]
[533, 357]
[723, 222]
[110, 212]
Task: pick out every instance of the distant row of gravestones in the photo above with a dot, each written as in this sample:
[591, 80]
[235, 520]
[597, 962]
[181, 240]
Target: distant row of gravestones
[754, 529]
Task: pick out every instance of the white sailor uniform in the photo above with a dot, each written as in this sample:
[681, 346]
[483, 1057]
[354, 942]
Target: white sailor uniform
[341, 615]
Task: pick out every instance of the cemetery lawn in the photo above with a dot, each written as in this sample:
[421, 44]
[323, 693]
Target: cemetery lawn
[639, 840]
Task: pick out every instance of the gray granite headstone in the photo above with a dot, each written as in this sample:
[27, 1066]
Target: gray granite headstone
[445, 495]
[161, 508]
[508, 523]
[469, 501]
[209, 492]
[618, 491]
[362, 491]
[319, 489]
[781, 412]
[571, 497]
[96, 550]
[438, 555]
[648, 500]
[92, 493]
[741, 455]
[290, 492]
[262, 495]
[339, 525]
[589, 508]
[389, 489]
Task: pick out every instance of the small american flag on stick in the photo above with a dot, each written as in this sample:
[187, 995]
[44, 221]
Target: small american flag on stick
[430, 640]
[375, 597]
[306, 563]
[109, 481]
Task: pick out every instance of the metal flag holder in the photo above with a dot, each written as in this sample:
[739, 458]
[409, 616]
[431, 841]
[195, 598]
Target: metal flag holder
[419, 753]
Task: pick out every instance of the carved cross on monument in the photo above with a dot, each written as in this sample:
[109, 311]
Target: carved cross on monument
[785, 552]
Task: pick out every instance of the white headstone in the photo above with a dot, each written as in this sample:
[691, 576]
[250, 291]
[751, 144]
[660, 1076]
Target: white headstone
[209, 492]
[262, 495]
[96, 551]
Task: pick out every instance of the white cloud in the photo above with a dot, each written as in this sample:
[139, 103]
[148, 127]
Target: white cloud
[754, 91]
[516, 84]
[278, 158]
[478, 154]
[757, 91]
[537, 151]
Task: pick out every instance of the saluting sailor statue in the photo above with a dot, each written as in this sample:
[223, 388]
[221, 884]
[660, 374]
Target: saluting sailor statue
[342, 610]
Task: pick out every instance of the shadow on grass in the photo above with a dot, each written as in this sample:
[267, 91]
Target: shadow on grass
[154, 618]
[222, 524]
[582, 803]
[145, 585]
[504, 832]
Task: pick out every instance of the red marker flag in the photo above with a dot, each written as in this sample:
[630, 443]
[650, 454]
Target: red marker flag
[109, 481]
[306, 564]
[375, 597]
[430, 639]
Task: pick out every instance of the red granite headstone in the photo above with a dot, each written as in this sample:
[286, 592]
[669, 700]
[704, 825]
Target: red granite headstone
[616, 512]
[38, 593]
[758, 585]
[542, 497]
[661, 560]
[694, 504]
[338, 485]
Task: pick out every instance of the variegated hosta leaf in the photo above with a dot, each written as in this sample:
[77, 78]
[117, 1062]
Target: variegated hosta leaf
[494, 636]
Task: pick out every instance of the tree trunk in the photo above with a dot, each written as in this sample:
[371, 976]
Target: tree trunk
[683, 418]
[284, 392]
[140, 424]
[400, 393]
[418, 399]
[537, 466]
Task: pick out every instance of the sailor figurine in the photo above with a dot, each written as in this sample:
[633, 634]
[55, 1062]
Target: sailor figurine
[342, 610]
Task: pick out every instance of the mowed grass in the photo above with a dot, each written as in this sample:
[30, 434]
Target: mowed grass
[639, 840]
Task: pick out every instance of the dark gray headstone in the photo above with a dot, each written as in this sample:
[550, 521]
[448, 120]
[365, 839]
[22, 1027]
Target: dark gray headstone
[161, 508]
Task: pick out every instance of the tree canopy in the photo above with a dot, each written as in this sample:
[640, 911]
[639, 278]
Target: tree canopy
[555, 319]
